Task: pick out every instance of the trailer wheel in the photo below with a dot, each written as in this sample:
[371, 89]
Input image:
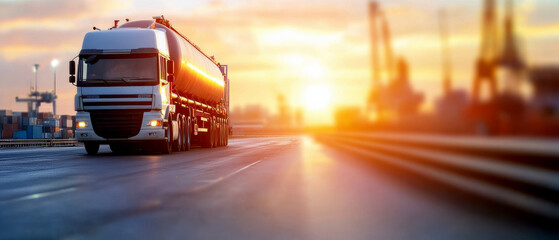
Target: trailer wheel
[218, 133]
[226, 133]
[187, 126]
[91, 148]
[222, 131]
[214, 133]
[177, 142]
[177, 145]
[184, 131]
[167, 144]
[206, 138]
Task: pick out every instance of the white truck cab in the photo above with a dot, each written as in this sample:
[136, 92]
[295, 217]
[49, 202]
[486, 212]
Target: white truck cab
[122, 87]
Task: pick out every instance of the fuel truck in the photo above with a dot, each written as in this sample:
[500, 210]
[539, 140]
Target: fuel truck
[144, 84]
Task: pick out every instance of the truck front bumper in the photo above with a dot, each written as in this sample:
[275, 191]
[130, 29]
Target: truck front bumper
[87, 134]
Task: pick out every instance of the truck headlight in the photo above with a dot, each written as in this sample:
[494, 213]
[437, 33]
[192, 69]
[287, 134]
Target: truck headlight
[154, 123]
[82, 124]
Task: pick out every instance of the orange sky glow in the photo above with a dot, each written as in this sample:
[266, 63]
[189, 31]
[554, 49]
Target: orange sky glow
[304, 50]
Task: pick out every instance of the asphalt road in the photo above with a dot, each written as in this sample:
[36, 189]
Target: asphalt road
[256, 188]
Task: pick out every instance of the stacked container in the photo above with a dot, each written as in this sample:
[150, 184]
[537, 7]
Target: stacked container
[67, 126]
[9, 123]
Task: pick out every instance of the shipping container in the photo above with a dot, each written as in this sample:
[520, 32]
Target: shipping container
[6, 113]
[34, 132]
[44, 115]
[67, 133]
[51, 123]
[57, 135]
[7, 134]
[20, 135]
[32, 121]
[13, 119]
[50, 129]
[66, 123]
[10, 127]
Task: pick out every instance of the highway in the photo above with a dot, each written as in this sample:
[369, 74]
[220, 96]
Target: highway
[289, 187]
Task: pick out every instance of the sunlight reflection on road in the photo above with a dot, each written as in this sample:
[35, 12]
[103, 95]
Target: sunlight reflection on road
[332, 211]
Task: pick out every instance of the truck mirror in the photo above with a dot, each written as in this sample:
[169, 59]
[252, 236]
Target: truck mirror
[72, 67]
[72, 79]
[170, 67]
[170, 78]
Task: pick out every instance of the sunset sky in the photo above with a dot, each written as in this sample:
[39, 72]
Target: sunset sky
[288, 47]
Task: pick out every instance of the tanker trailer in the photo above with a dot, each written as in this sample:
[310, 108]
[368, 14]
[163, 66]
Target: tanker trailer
[145, 84]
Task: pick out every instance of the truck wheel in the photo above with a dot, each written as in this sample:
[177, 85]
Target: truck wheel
[187, 134]
[177, 145]
[167, 144]
[91, 148]
[182, 144]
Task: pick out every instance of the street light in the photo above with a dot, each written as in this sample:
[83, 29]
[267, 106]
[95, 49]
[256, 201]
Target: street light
[54, 64]
[35, 70]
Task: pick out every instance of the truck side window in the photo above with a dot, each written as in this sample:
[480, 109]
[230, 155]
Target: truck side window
[163, 68]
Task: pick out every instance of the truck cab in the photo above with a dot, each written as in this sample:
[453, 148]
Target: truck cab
[123, 84]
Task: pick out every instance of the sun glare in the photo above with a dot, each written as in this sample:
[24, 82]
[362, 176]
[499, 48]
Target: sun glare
[314, 70]
[317, 97]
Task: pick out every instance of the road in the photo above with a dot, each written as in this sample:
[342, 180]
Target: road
[256, 188]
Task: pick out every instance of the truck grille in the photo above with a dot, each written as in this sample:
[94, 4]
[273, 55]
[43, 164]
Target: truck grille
[124, 101]
[117, 123]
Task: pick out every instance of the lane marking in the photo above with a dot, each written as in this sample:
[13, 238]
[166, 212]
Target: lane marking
[39, 195]
[209, 183]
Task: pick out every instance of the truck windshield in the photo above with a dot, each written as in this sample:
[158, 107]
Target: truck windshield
[104, 70]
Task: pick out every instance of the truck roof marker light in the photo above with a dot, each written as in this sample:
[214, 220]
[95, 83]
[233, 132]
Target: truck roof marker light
[220, 83]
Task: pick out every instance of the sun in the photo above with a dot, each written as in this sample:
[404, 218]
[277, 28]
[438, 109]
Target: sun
[317, 97]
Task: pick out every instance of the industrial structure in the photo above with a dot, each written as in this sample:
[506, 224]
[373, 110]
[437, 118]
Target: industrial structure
[393, 99]
[451, 105]
[501, 112]
[34, 124]
[497, 103]
[35, 98]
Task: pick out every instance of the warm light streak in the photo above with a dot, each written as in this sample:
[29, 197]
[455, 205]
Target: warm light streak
[219, 82]
[163, 92]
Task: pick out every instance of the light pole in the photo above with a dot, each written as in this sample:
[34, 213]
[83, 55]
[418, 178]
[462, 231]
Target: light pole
[35, 70]
[54, 64]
